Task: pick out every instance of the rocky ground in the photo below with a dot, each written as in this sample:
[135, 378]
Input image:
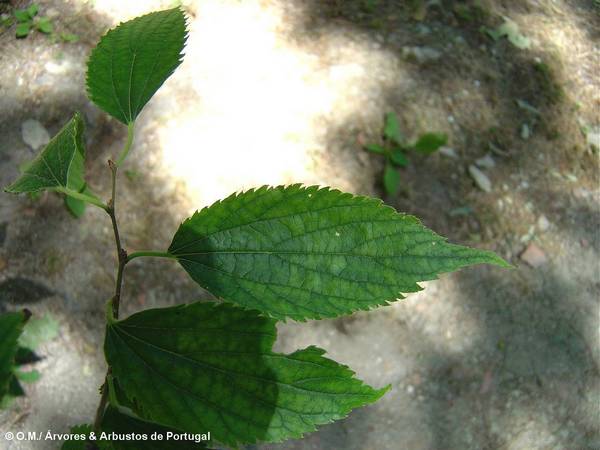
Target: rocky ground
[276, 92]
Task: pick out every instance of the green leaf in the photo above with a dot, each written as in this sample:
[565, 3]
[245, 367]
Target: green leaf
[133, 60]
[52, 168]
[14, 391]
[22, 15]
[11, 327]
[430, 142]
[32, 10]
[27, 377]
[374, 148]
[391, 129]
[69, 37]
[511, 30]
[121, 423]
[44, 25]
[391, 179]
[310, 253]
[39, 330]
[22, 29]
[59, 167]
[398, 157]
[208, 367]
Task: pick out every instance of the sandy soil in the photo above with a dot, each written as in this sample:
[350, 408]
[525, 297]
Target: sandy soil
[277, 92]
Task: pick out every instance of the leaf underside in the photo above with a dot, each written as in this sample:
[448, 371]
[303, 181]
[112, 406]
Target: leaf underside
[59, 165]
[308, 253]
[133, 60]
[207, 367]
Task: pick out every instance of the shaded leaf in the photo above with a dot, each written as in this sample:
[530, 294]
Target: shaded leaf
[208, 367]
[430, 142]
[391, 128]
[133, 60]
[391, 179]
[310, 253]
[14, 391]
[11, 327]
[374, 148]
[399, 158]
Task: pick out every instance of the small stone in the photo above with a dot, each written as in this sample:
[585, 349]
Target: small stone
[481, 179]
[449, 152]
[487, 162]
[534, 256]
[525, 132]
[543, 223]
[34, 134]
[421, 54]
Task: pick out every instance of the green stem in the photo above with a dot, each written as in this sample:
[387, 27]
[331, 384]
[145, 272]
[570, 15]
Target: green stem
[83, 197]
[127, 144]
[150, 253]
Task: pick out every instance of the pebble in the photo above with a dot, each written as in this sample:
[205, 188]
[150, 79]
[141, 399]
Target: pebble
[487, 162]
[543, 223]
[449, 152]
[421, 54]
[534, 256]
[481, 179]
[34, 134]
[525, 132]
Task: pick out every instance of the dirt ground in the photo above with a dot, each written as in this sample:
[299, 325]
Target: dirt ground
[276, 92]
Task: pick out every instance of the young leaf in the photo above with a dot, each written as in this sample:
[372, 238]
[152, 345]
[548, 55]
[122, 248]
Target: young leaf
[399, 158]
[133, 60]
[27, 377]
[22, 29]
[374, 148]
[59, 167]
[207, 367]
[37, 331]
[32, 10]
[22, 15]
[430, 142]
[391, 129]
[45, 26]
[308, 253]
[391, 179]
[11, 327]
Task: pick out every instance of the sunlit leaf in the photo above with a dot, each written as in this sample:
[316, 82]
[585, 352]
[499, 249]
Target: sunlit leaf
[207, 367]
[133, 60]
[309, 253]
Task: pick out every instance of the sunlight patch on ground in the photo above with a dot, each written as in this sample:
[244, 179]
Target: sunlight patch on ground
[255, 103]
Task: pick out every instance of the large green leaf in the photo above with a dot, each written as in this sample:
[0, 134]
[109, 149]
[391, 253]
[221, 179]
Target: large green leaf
[207, 367]
[143, 435]
[133, 60]
[309, 253]
[59, 165]
[11, 327]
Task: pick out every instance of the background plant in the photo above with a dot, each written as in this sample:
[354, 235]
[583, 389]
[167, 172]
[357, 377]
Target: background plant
[28, 19]
[395, 148]
[272, 253]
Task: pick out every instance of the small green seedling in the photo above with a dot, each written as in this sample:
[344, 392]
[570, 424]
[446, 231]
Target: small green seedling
[395, 148]
[208, 370]
[27, 20]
